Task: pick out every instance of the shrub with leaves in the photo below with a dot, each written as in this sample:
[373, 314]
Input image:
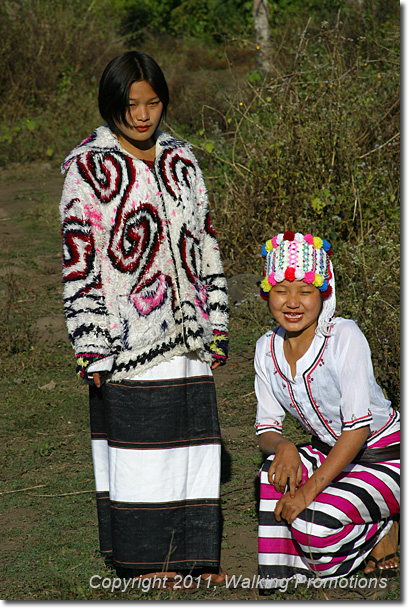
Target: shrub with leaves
[48, 82]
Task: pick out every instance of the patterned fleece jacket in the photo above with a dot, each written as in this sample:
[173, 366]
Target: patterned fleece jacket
[143, 278]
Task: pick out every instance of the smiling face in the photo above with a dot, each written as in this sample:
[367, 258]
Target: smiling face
[143, 115]
[295, 306]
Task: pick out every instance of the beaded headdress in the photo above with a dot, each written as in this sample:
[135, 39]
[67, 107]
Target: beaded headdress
[293, 256]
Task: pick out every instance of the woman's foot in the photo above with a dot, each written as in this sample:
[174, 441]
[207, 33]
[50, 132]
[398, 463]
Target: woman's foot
[384, 555]
[160, 580]
[215, 579]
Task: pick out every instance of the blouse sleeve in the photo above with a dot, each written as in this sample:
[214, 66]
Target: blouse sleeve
[269, 413]
[356, 376]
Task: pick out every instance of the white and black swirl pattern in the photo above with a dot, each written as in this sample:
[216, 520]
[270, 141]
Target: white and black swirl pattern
[178, 173]
[109, 175]
[135, 239]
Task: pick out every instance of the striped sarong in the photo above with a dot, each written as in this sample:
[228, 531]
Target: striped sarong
[336, 532]
[157, 452]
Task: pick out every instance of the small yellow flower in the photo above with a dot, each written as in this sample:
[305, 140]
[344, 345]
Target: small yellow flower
[330, 86]
[379, 76]
[240, 103]
[258, 47]
[268, 245]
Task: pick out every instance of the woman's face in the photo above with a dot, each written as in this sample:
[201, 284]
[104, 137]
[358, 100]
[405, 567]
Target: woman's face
[295, 306]
[143, 114]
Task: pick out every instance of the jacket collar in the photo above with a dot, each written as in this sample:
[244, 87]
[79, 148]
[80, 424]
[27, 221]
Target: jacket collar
[103, 140]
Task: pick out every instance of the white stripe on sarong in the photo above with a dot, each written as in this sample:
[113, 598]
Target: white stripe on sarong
[140, 475]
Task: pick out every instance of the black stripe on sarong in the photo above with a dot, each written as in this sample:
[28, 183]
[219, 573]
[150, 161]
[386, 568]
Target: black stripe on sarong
[97, 413]
[363, 495]
[355, 543]
[98, 436]
[157, 412]
[173, 535]
[104, 522]
[389, 471]
[266, 465]
[153, 506]
[267, 517]
[216, 440]
[313, 459]
[320, 517]
[312, 516]
[280, 571]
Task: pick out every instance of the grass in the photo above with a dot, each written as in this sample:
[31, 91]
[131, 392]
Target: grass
[50, 539]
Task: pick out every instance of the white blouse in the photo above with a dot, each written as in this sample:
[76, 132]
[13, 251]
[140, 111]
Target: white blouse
[334, 388]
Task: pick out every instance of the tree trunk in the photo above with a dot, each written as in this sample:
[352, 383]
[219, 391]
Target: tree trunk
[262, 35]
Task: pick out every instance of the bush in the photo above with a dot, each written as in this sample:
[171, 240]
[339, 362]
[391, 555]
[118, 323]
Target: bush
[314, 147]
[48, 85]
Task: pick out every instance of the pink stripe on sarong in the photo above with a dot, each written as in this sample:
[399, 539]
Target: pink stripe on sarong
[278, 545]
[268, 492]
[321, 542]
[385, 441]
[342, 504]
[380, 486]
[320, 567]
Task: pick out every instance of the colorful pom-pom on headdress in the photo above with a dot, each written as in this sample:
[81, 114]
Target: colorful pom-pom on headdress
[293, 256]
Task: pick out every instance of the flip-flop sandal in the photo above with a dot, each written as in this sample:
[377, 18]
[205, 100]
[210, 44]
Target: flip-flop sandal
[378, 570]
[178, 583]
[218, 579]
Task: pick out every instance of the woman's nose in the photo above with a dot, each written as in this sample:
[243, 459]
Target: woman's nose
[293, 301]
[141, 113]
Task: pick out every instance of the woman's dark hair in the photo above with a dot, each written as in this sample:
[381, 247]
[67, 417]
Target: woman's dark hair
[117, 78]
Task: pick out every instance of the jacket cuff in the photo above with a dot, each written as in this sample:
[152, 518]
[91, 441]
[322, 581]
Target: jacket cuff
[84, 360]
[220, 346]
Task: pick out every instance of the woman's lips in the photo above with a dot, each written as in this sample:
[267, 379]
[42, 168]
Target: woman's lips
[142, 128]
[293, 317]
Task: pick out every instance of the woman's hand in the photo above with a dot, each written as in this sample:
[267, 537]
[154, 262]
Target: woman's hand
[345, 449]
[288, 507]
[285, 468]
[215, 365]
[97, 380]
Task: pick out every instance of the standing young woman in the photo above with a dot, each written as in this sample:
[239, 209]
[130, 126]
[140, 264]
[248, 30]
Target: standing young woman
[147, 313]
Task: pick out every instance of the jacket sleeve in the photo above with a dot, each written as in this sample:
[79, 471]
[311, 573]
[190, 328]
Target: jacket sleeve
[214, 279]
[84, 305]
